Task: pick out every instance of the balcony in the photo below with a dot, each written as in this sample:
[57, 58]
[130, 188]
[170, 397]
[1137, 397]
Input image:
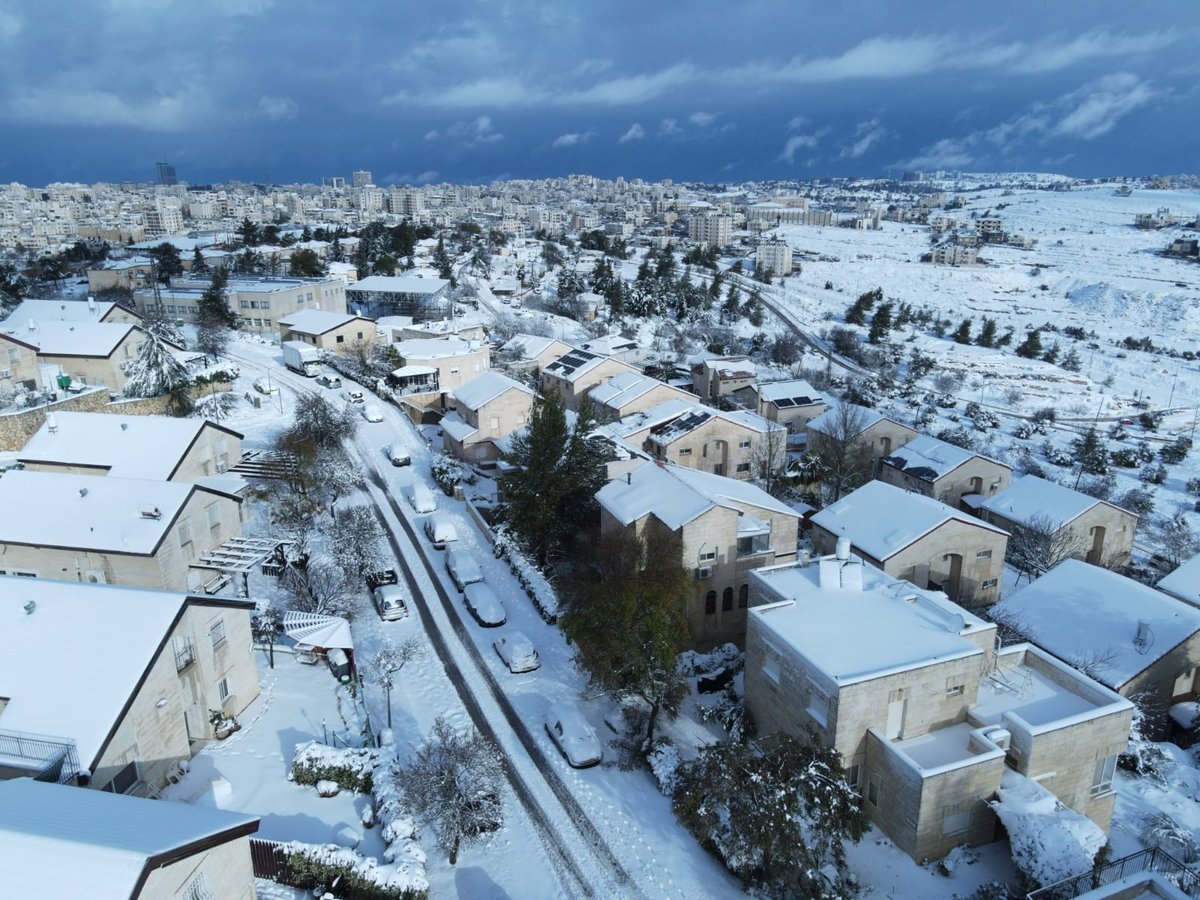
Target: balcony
[185, 655]
[37, 756]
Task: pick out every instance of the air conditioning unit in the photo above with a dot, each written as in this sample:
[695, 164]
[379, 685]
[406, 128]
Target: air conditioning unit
[5, 373]
[704, 572]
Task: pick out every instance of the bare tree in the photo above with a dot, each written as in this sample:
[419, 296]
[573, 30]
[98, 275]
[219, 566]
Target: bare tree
[354, 537]
[319, 587]
[769, 460]
[211, 339]
[1040, 544]
[1177, 539]
[390, 659]
[845, 458]
[454, 784]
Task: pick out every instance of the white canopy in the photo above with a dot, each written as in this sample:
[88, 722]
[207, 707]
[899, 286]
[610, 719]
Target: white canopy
[317, 630]
[411, 371]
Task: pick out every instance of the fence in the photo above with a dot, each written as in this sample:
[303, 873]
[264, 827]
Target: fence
[1148, 861]
[39, 756]
[268, 858]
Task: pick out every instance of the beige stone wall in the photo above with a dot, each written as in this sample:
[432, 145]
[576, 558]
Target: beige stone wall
[455, 371]
[885, 437]
[660, 393]
[231, 659]
[795, 419]
[19, 361]
[1156, 686]
[1120, 528]
[225, 870]
[213, 452]
[573, 393]
[496, 419]
[718, 446]
[975, 476]
[358, 331]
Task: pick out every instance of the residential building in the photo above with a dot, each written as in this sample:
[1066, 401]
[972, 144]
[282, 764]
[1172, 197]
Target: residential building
[361, 178]
[488, 409]
[531, 353]
[723, 443]
[924, 710]
[468, 329]
[577, 372]
[405, 295]
[877, 434]
[1184, 582]
[1141, 642]
[630, 392]
[163, 448]
[133, 273]
[89, 353]
[89, 310]
[455, 361]
[723, 376]
[133, 531]
[916, 538]
[945, 471]
[711, 228]
[330, 331]
[723, 529]
[135, 677]
[1071, 523]
[617, 346]
[773, 256]
[57, 841]
[259, 302]
[792, 404]
[955, 254]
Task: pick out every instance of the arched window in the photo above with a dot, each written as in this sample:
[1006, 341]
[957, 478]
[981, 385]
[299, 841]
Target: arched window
[727, 600]
[710, 603]
[743, 596]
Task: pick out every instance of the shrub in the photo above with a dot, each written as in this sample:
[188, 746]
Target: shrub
[663, 760]
[358, 877]
[349, 768]
[1126, 458]
[1137, 501]
[959, 437]
[446, 472]
[536, 585]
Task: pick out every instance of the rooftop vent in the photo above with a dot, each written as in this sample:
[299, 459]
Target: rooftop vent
[124, 426]
[842, 550]
[83, 492]
[51, 423]
[150, 512]
[30, 607]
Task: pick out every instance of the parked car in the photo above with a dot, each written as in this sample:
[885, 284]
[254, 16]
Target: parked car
[484, 605]
[329, 381]
[421, 497]
[382, 577]
[266, 386]
[389, 602]
[339, 663]
[440, 530]
[398, 455]
[463, 568]
[572, 734]
[354, 395]
[517, 651]
[372, 413]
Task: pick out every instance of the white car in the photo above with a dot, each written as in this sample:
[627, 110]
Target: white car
[484, 605]
[398, 455]
[517, 651]
[372, 413]
[572, 734]
[462, 568]
[440, 530]
[389, 601]
[421, 498]
[354, 395]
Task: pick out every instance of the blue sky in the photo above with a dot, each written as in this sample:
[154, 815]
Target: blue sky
[472, 90]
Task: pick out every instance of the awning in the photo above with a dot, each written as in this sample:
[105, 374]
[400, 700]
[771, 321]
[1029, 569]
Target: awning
[317, 630]
[413, 371]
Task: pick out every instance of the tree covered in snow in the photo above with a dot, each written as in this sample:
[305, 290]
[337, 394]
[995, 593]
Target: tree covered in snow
[845, 458]
[213, 309]
[1040, 544]
[390, 659]
[454, 783]
[317, 424]
[776, 811]
[319, 587]
[156, 370]
[212, 339]
[1090, 451]
[354, 537]
[626, 611]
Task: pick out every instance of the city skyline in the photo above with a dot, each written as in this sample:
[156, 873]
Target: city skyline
[258, 91]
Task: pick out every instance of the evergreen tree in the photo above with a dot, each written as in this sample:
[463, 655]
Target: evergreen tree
[248, 232]
[1091, 453]
[1071, 362]
[167, 262]
[1051, 355]
[441, 259]
[987, 334]
[733, 304]
[199, 265]
[155, 371]
[305, 264]
[1031, 347]
[881, 324]
[213, 307]
[963, 334]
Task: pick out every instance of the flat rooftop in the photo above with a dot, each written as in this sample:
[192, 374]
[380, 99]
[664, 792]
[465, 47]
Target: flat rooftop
[949, 746]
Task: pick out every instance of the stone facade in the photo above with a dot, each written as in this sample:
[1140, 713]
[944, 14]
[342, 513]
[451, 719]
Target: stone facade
[356, 331]
[1102, 535]
[720, 445]
[454, 370]
[574, 389]
[495, 419]
[225, 870]
[978, 475]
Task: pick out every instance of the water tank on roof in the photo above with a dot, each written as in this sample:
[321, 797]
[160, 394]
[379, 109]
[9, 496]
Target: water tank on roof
[842, 551]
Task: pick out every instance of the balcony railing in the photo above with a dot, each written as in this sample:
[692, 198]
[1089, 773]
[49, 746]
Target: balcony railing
[185, 655]
[1152, 860]
[38, 756]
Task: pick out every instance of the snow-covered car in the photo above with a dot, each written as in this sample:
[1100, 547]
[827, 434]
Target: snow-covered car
[372, 413]
[484, 605]
[329, 381]
[440, 530]
[354, 396]
[266, 386]
[572, 734]
[463, 568]
[421, 498]
[517, 651]
[398, 455]
[390, 602]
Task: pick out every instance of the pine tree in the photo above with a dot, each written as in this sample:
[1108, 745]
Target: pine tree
[248, 232]
[213, 308]
[963, 335]
[1071, 362]
[1051, 355]
[441, 259]
[1031, 347]
[881, 324]
[1091, 453]
[199, 265]
[166, 261]
[155, 371]
[987, 334]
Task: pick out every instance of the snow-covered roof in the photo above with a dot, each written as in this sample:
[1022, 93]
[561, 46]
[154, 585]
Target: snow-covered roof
[454, 425]
[1079, 611]
[102, 639]
[107, 515]
[610, 345]
[699, 415]
[929, 459]
[1184, 582]
[57, 338]
[830, 418]
[881, 520]
[530, 346]
[394, 321]
[732, 367]
[399, 284]
[574, 364]
[851, 634]
[413, 371]
[1030, 498]
[319, 321]
[486, 387]
[61, 841]
[676, 495]
[623, 388]
[433, 348]
[59, 311]
[786, 394]
[127, 446]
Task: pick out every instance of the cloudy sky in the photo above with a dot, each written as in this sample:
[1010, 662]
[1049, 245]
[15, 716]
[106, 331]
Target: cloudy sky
[472, 90]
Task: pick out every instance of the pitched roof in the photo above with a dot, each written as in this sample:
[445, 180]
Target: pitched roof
[486, 387]
[127, 446]
[623, 388]
[319, 321]
[1050, 612]
[58, 338]
[60, 311]
[881, 520]
[530, 346]
[929, 459]
[700, 415]
[1184, 582]
[786, 394]
[829, 418]
[61, 841]
[1031, 498]
[575, 364]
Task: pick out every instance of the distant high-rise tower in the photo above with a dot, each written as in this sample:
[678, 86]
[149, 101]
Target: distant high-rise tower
[337, 182]
[362, 178]
[166, 173]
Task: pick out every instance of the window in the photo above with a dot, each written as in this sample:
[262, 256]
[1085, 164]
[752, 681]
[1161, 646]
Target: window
[743, 468]
[727, 599]
[771, 662]
[20, 573]
[708, 556]
[125, 780]
[341, 339]
[744, 445]
[14, 356]
[214, 515]
[244, 304]
[743, 596]
[956, 822]
[223, 689]
[989, 583]
[454, 370]
[216, 633]
[185, 533]
[954, 689]
[495, 421]
[984, 554]
[1183, 684]
[873, 792]
[687, 451]
[710, 603]
[1102, 778]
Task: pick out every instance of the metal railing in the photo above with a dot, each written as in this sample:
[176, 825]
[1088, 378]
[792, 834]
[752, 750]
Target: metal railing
[39, 756]
[1152, 860]
[185, 655]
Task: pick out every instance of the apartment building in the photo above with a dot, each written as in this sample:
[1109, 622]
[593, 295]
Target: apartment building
[711, 228]
[723, 377]
[38, 353]
[792, 403]
[715, 441]
[488, 409]
[945, 471]
[453, 360]
[327, 330]
[774, 257]
[259, 302]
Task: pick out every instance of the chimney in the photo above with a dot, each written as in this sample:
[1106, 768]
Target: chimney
[629, 477]
[842, 550]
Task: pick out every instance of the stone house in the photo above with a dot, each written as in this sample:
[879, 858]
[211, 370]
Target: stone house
[918, 539]
[792, 404]
[89, 310]
[531, 353]
[925, 712]
[1080, 526]
[132, 531]
[723, 443]
[66, 842]
[91, 353]
[630, 392]
[723, 376]
[135, 678]
[945, 471]
[725, 528]
[1138, 641]
[326, 330]
[1183, 582]
[577, 372]
[259, 302]
[489, 408]
[456, 361]
[870, 429]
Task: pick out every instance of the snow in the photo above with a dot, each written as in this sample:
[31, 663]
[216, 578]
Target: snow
[795, 389]
[60, 841]
[1049, 612]
[85, 512]
[531, 346]
[852, 635]
[400, 284]
[484, 388]
[622, 388]
[881, 519]
[103, 639]
[924, 452]
[1184, 582]
[319, 321]
[1030, 497]
[149, 447]
[63, 310]
[56, 338]
[944, 748]
[454, 426]
[317, 630]
[829, 418]
[433, 348]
